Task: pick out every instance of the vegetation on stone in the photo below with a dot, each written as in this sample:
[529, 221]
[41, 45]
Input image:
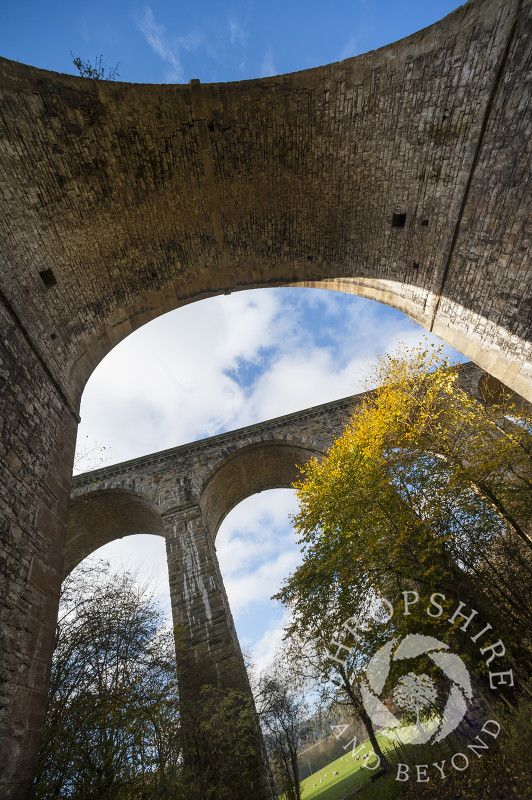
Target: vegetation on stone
[98, 71]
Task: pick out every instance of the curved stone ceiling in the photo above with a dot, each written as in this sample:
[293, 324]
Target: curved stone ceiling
[398, 175]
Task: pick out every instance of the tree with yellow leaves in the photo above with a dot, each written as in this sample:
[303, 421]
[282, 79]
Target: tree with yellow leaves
[428, 489]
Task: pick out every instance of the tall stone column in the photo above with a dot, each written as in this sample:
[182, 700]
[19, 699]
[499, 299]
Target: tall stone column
[38, 437]
[205, 631]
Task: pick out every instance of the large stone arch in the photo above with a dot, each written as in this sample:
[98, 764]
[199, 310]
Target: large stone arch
[103, 516]
[392, 174]
[251, 469]
[396, 175]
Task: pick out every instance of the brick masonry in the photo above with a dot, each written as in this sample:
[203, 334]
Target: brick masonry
[398, 175]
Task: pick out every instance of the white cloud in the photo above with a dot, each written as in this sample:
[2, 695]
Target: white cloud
[358, 41]
[267, 67]
[264, 649]
[260, 584]
[192, 41]
[255, 530]
[166, 47]
[232, 361]
[168, 384]
[219, 44]
[353, 45]
[237, 33]
[159, 42]
[257, 548]
[301, 380]
[262, 517]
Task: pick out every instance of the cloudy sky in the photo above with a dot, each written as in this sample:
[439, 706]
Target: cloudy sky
[234, 360]
[221, 364]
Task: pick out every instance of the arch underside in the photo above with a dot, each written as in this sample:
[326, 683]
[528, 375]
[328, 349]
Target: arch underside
[252, 469]
[102, 516]
[393, 175]
[98, 517]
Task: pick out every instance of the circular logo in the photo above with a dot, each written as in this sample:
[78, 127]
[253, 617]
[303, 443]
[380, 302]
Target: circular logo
[415, 693]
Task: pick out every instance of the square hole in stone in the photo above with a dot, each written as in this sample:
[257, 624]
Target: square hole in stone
[398, 220]
[48, 278]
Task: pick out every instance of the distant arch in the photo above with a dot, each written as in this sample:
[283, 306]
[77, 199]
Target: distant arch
[100, 517]
[249, 470]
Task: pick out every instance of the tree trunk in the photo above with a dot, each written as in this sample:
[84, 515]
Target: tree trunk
[373, 739]
[361, 711]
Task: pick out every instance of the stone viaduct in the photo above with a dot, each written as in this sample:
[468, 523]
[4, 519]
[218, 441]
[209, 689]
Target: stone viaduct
[184, 494]
[400, 175]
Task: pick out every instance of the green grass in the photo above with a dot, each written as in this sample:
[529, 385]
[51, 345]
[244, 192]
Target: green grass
[351, 774]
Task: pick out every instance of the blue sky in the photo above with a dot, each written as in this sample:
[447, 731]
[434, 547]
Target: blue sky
[161, 41]
[221, 364]
[227, 361]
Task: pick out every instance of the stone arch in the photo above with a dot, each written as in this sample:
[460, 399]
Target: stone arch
[385, 174]
[249, 470]
[405, 297]
[397, 171]
[101, 516]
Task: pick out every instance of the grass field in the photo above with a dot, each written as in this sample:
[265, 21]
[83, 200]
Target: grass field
[351, 773]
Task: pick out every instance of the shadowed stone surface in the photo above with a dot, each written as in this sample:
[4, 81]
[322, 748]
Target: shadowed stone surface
[398, 175]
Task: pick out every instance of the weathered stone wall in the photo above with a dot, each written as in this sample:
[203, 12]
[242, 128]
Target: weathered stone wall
[38, 438]
[207, 647]
[140, 198]
[218, 472]
[398, 175]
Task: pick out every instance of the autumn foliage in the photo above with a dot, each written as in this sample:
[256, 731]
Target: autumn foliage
[428, 490]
